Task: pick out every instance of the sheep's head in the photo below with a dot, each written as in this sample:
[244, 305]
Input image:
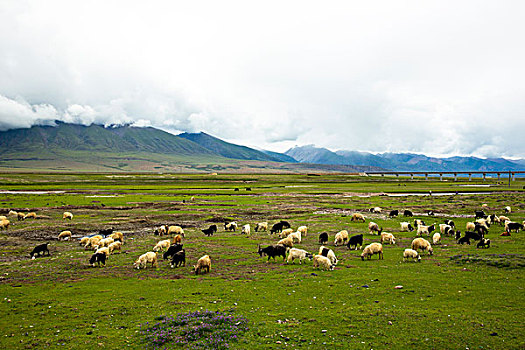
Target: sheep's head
[431, 250]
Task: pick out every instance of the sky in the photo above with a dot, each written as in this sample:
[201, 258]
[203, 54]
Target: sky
[443, 78]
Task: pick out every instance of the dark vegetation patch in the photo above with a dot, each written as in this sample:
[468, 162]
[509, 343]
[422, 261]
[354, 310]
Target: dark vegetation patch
[512, 261]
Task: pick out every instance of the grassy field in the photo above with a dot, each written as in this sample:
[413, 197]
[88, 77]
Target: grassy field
[460, 297]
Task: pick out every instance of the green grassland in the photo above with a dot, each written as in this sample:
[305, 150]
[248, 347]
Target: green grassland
[460, 297]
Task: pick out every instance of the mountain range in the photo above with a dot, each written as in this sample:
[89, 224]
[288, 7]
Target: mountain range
[74, 147]
[402, 161]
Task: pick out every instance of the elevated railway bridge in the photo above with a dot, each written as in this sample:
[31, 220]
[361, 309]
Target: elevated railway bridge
[511, 174]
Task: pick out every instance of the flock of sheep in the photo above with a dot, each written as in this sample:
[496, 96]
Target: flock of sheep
[107, 242]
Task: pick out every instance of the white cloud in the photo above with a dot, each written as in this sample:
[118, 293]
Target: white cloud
[440, 77]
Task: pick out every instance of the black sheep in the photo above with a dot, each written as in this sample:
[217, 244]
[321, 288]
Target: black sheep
[42, 248]
[172, 250]
[105, 232]
[98, 258]
[480, 214]
[393, 213]
[473, 235]
[210, 230]
[408, 213]
[272, 251]
[516, 226]
[450, 223]
[483, 243]
[355, 240]
[464, 240]
[179, 259]
[323, 238]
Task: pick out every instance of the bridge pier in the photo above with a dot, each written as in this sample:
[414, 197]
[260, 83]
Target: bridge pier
[411, 176]
[455, 177]
[440, 177]
[513, 176]
[483, 176]
[498, 176]
[426, 176]
[470, 177]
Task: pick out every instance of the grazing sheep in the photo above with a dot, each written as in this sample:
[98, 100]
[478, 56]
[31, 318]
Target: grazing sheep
[272, 251]
[411, 254]
[341, 237]
[406, 227]
[393, 213]
[444, 227]
[510, 226]
[177, 239]
[232, 226]
[165, 244]
[408, 213]
[303, 230]
[42, 248]
[285, 233]
[115, 246]
[464, 240]
[373, 227]
[246, 229]
[12, 212]
[288, 242]
[203, 265]
[329, 253]
[261, 226]
[65, 235]
[30, 215]
[67, 215]
[103, 250]
[144, 259]
[502, 219]
[387, 237]
[483, 243]
[105, 232]
[171, 251]
[494, 219]
[470, 226]
[92, 242]
[105, 242]
[323, 238]
[376, 210]
[421, 229]
[20, 216]
[484, 205]
[322, 262]
[483, 222]
[357, 217]
[355, 241]
[4, 224]
[84, 240]
[507, 210]
[210, 230]
[371, 249]
[98, 258]
[299, 254]
[161, 231]
[423, 244]
[458, 235]
[473, 235]
[436, 238]
[479, 214]
[178, 259]
[449, 231]
[3, 217]
[117, 236]
[418, 222]
[450, 223]
[295, 236]
[176, 230]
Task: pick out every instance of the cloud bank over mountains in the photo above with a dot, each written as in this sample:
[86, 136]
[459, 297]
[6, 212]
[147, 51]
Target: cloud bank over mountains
[439, 77]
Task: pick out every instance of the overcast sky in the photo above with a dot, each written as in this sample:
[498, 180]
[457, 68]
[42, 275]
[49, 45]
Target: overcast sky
[433, 77]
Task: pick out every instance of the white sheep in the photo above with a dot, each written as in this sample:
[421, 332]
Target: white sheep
[65, 235]
[232, 226]
[288, 242]
[93, 241]
[443, 228]
[261, 226]
[144, 259]
[470, 226]
[115, 246]
[165, 244]
[371, 249]
[162, 230]
[436, 238]
[422, 229]
[483, 222]
[373, 227]
[406, 227]
[20, 216]
[30, 215]
[117, 236]
[303, 230]
[357, 217]
[376, 210]
[177, 230]
[411, 254]
[423, 244]
[3, 217]
[299, 254]
[329, 253]
[12, 212]
[507, 210]
[322, 262]
[387, 237]
[295, 236]
[203, 264]
[502, 219]
[4, 224]
[67, 215]
[246, 229]
[285, 233]
[105, 242]
[341, 237]
[84, 240]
